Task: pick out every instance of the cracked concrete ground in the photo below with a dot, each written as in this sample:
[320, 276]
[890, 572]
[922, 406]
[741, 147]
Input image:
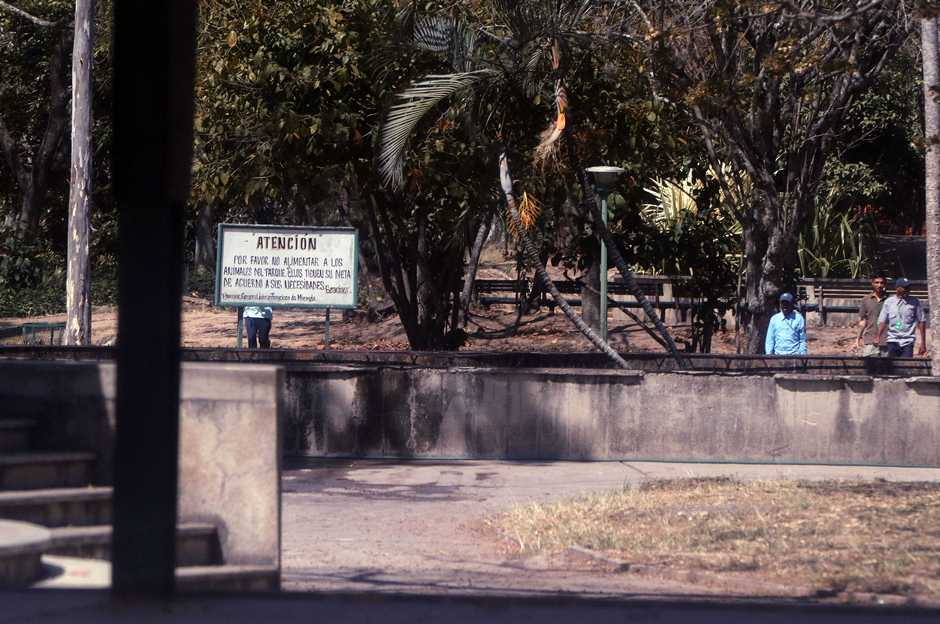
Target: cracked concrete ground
[417, 526]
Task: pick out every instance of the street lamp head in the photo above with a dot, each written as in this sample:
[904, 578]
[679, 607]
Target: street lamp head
[605, 177]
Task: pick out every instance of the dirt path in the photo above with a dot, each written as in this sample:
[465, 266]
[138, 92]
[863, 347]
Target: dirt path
[420, 526]
[206, 326]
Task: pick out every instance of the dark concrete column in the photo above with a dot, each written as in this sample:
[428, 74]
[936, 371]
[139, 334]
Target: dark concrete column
[154, 61]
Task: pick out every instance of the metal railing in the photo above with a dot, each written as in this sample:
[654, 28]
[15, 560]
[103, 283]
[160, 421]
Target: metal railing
[666, 292]
[33, 334]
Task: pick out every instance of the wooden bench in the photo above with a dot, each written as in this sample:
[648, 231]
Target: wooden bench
[656, 288]
[841, 296]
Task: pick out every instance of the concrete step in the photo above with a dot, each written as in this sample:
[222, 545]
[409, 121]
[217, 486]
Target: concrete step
[73, 573]
[197, 544]
[37, 470]
[228, 578]
[58, 506]
[16, 434]
[21, 548]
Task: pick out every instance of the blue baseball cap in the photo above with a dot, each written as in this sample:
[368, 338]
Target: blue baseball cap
[902, 282]
[786, 297]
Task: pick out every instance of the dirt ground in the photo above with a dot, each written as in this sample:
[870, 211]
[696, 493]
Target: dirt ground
[204, 325]
[427, 527]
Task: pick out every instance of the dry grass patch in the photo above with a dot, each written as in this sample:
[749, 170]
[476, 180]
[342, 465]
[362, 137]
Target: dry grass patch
[847, 536]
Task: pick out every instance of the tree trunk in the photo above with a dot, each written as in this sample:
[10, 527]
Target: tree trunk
[78, 277]
[424, 297]
[591, 295]
[755, 247]
[931, 56]
[32, 173]
[533, 257]
[204, 253]
[768, 269]
[482, 234]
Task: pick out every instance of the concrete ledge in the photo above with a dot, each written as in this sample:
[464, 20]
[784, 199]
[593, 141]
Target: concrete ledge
[252, 383]
[228, 578]
[924, 381]
[809, 378]
[564, 413]
[552, 373]
[652, 361]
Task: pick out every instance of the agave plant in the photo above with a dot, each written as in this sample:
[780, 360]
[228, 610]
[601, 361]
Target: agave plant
[520, 54]
[673, 201]
[837, 239]
[834, 244]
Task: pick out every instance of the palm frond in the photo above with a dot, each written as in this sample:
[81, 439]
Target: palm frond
[434, 34]
[447, 36]
[413, 104]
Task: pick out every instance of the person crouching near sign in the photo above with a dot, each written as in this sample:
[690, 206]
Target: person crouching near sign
[258, 324]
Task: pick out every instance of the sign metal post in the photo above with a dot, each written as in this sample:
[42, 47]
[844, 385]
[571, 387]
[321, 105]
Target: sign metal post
[241, 327]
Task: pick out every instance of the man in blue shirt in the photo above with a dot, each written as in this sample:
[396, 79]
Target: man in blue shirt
[786, 333]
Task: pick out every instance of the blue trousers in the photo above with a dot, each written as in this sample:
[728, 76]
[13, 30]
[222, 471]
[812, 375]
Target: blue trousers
[258, 330]
[896, 350]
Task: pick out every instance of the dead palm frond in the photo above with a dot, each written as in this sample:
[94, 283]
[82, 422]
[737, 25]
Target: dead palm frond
[529, 210]
[547, 149]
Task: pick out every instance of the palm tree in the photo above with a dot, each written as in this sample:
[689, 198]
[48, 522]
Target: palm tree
[493, 68]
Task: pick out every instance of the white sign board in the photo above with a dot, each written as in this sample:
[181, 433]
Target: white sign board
[282, 266]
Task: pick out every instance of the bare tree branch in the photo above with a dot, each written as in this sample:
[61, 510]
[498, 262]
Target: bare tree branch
[17, 11]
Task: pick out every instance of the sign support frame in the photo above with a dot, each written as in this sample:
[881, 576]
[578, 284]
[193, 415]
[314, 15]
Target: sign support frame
[353, 265]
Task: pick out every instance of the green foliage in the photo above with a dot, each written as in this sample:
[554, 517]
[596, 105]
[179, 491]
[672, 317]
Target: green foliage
[289, 96]
[33, 278]
[840, 236]
[690, 233]
[874, 182]
[282, 98]
[879, 165]
[201, 283]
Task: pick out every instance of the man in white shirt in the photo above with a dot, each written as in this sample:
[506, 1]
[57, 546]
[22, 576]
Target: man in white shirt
[258, 326]
[900, 315]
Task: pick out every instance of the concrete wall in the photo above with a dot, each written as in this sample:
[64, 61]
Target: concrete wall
[230, 418]
[72, 403]
[229, 461]
[585, 414]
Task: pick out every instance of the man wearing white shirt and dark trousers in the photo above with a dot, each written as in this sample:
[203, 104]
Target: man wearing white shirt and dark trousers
[786, 332]
[900, 315]
[258, 326]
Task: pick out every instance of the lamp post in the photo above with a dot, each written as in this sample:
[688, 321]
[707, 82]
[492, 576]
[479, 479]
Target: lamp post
[605, 178]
